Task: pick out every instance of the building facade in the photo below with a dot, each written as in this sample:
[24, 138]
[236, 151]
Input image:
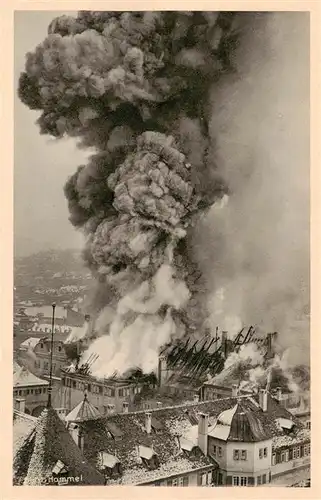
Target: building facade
[108, 395]
[30, 393]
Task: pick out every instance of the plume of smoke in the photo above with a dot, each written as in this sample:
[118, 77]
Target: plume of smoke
[142, 89]
[260, 238]
[134, 86]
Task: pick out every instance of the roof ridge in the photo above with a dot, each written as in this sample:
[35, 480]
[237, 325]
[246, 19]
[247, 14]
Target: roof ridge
[182, 405]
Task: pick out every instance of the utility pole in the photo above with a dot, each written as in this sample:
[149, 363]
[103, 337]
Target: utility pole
[51, 354]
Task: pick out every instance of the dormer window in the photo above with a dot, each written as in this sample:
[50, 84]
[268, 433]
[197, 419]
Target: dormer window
[109, 464]
[157, 426]
[148, 457]
[59, 469]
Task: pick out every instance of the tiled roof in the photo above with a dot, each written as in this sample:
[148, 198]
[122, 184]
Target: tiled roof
[24, 378]
[83, 411]
[23, 424]
[175, 422]
[47, 444]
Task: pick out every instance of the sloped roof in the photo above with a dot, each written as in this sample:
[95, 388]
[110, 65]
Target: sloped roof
[30, 343]
[48, 443]
[83, 411]
[24, 378]
[176, 423]
[23, 424]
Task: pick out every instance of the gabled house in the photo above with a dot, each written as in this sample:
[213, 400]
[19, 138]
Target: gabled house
[30, 393]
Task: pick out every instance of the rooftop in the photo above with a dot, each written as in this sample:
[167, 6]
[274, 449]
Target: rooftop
[82, 412]
[48, 444]
[24, 378]
[23, 424]
[30, 343]
[174, 432]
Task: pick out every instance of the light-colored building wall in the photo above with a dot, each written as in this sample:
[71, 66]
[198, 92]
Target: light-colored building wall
[35, 397]
[202, 477]
[262, 455]
[100, 393]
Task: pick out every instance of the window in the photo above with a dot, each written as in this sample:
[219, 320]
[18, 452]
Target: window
[261, 453]
[259, 480]
[220, 479]
[287, 455]
[204, 479]
[214, 450]
[283, 457]
[180, 481]
[19, 392]
[243, 455]
[59, 348]
[236, 455]
[273, 459]
[296, 452]
[112, 393]
[308, 425]
[219, 451]
[265, 452]
[41, 345]
[121, 393]
[264, 479]
[175, 482]
[306, 450]
[236, 481]
[185, 481]
[31, 391]
[27, 392]
[243, 481]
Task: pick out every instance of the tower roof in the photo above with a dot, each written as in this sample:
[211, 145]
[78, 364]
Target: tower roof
[49, 447]
[83, 411]
[239, 424]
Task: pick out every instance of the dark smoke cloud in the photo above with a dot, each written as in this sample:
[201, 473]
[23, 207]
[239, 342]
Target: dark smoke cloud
[141, 89]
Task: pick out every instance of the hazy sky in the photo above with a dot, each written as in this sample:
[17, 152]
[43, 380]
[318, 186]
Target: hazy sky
[42, 165]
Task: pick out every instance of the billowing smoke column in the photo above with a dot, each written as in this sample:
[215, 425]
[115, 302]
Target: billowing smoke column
[135, 86]
[195, 203]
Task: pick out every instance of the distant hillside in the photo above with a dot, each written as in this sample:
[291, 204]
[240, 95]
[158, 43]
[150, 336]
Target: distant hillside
[50, 262]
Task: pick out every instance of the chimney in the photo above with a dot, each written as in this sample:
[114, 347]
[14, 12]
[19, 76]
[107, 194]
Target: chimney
[80, 441]
[125, 407]
[234, 390]
[263, 399]
[161, 368]
[224, 344]
[196, 398]
[62, 412]
[203, 432]
[110, 409]
[148, 422]
[21, 404]
[279, 394]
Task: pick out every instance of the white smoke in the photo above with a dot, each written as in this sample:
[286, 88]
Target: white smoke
[136, 342]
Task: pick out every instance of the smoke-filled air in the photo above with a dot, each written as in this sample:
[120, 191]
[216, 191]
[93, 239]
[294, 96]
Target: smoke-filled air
[195, 201]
